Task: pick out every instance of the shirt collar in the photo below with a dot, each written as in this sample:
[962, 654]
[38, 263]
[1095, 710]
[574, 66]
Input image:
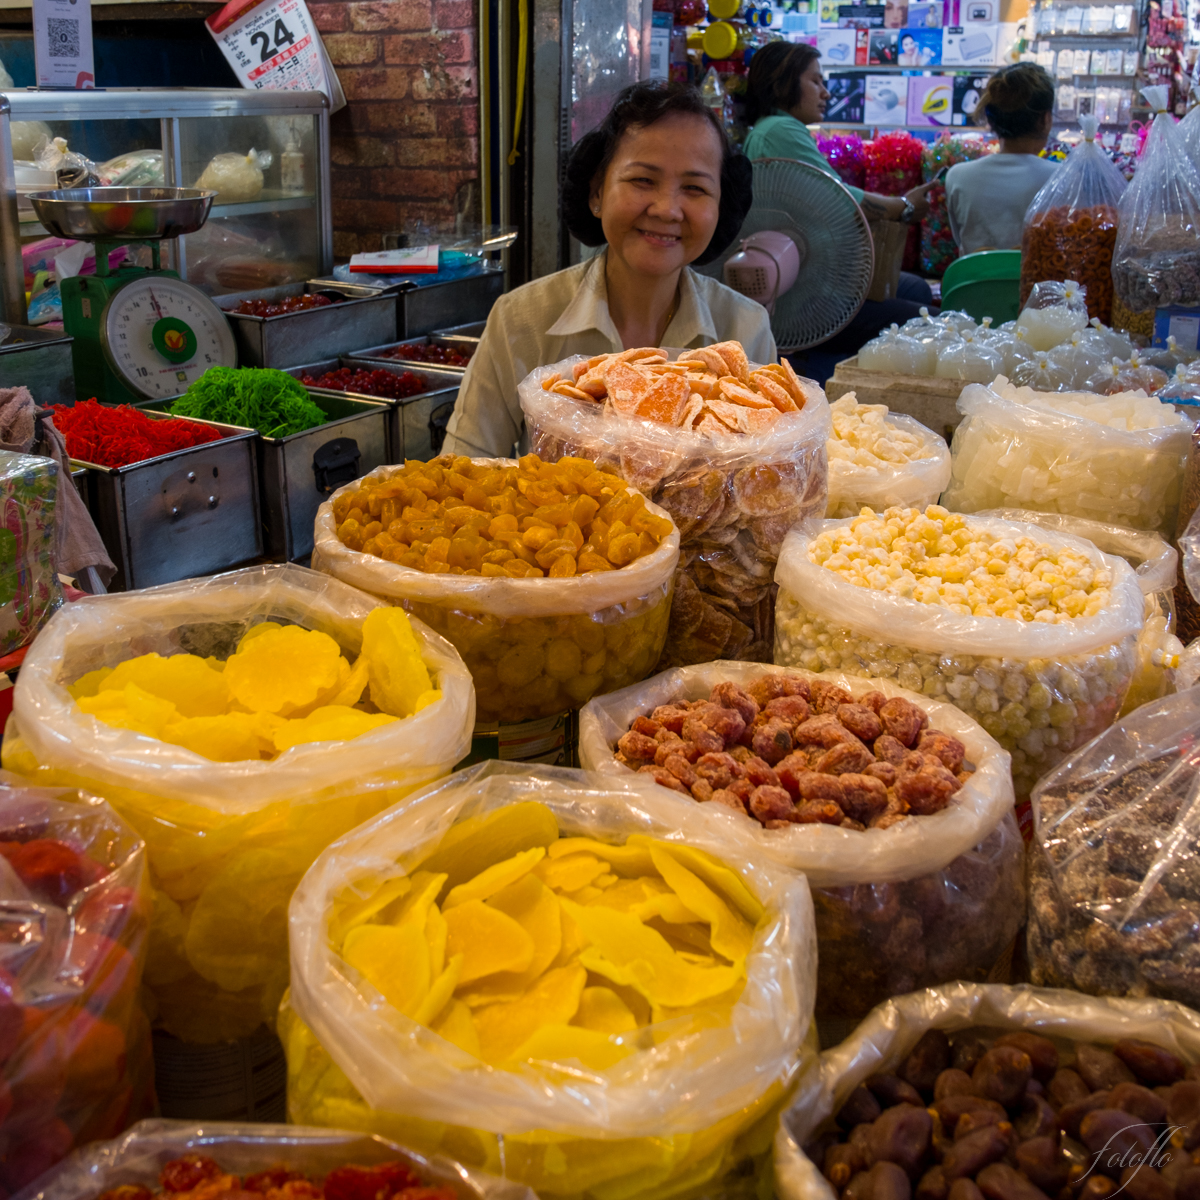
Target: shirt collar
[588, 310]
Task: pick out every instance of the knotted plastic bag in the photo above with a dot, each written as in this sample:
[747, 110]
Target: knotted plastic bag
[236, 178]
[226, 841]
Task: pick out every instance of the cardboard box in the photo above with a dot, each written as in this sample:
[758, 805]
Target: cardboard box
[931, 401]
[886, 101]
[930, 101]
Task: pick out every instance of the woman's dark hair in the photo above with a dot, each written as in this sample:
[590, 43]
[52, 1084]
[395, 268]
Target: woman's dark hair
[640, 105]
[1016, 99]
[774, 78]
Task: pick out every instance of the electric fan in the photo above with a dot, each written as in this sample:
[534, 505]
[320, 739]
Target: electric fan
[832, 242]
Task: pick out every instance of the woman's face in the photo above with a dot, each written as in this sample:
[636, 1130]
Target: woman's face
[661, 195]
[908, 44]
[814, 96]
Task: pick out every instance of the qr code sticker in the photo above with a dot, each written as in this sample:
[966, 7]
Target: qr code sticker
[64, 37]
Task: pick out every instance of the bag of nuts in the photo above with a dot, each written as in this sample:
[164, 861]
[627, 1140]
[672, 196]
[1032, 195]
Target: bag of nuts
[1115, 870]
[733, 494]
[912, 901]
[1041, 681]
[1029, 1090]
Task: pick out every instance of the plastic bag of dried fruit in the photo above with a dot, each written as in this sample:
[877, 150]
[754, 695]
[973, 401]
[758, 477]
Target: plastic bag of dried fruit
[878, 459]
[733, 496]
[226, 842]
[1079, 1049]
[1039, 689]
[1155, 563]
[535, 647]
[912, 904]
[274, 1153]
[1114, 871]
[669, 1101]
[74, 1042]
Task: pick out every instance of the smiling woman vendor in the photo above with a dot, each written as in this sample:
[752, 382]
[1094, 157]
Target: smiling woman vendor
[659, 185]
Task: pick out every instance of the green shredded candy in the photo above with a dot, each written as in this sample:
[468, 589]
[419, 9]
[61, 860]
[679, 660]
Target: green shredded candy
[271, 401]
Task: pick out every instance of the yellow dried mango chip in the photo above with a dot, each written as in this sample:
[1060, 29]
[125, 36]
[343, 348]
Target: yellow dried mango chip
[397, 673]
[185, 680]
[629, 894]
[668, 906]
[425, 699]
[489, 882]
[355, 684]
[456, 1025]
[440, 991]
[332, 723]
[229, 738]
[131, 708]
[286, 670]
[729, 934]
[562, 1043]
[350, 911]
[570, 872]
[716, 874]
[416, 905]
[504, 1028]
[601, 1009]
[475, 844]
[487, 939]
[435, 934]
[573, 940]
[394, 959]
[628, 860]
[89, 683]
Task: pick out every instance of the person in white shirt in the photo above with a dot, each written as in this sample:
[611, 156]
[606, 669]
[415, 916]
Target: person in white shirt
[987, 198]
[659, 185]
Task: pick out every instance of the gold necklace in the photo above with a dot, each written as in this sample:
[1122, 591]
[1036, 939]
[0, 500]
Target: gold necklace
[670, 315]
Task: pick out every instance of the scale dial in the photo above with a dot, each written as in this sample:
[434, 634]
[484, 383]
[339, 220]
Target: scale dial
[160, 335]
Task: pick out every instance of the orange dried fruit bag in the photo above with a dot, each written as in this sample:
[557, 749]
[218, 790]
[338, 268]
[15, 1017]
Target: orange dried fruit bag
[527, 961]
[240, 724]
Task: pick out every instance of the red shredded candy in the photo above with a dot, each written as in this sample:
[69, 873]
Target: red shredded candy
[386, 384]
[428, 352]
[277, 308]
[116, 437]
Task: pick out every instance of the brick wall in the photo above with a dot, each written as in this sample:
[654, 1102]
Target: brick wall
[407, 139]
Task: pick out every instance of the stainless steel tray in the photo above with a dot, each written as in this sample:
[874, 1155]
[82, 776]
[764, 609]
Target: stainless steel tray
[365, 319]
[411, 430]
[473, 330]
[39, 359]
[190, 512]
[376, 354]
[437, 305]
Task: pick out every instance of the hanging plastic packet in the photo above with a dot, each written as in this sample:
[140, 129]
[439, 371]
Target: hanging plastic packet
[236, 178]
[1079, 358]
[1053, 312]
[1131, 376]
[1071, 224]
[72, 170]
[1157, 258]
[970, 359]
[894, 351]
[1041, 374]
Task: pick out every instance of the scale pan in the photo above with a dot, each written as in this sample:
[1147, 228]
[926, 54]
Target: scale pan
[122, 214]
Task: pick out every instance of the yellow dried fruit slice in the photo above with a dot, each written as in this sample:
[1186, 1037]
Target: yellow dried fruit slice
[730, 935]
[504, 1028]
[494, 878]
[332, 723]
[397, 673]
[185, 680]
[456, 1025]
[475, 844]
[487, 940]
[630, 894]
[89, 683]
[440, 992]
[435, 934]
[286, 670]
[350, 911]
[570, 872]
[229, 738]
[355, 685]
[716, 874]
[602, 1010]
[393, 959]
[563, 1043]
[628, 860]
[131, 708]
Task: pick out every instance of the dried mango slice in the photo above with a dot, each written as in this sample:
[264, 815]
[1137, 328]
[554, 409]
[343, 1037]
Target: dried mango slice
[416, 905]
[570, 872]
[630, 894]
[457, 1025]
[394, 959]
[504, 1028]
[562, 1043]
[626, 951]
[131, 708]
[668, 906]
[628, 860]
[332, 723]
[89, 683]
[187, 681]
[356, 684]
[397, 673]
[229, 738]
[716, 874]
[573, 940]
[475, 844]
[487, 940]
[435, 934]
[349, 912]
[494, 878]
[286, 670]
[731, 936]
[425, 699]
[602, 1010]
[440, 991]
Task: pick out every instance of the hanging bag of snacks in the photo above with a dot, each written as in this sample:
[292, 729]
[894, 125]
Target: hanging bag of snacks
[222, 718]
[1071, 225]
[1042, 673]
[734, 452]
[915, 858]
[1156, 262]
[585, 985]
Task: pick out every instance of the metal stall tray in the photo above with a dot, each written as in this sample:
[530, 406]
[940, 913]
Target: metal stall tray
[379, 354]
[412, 432]
[472, 331]
[436, 305]
[39, 359]
[366, 318]
[190, 512]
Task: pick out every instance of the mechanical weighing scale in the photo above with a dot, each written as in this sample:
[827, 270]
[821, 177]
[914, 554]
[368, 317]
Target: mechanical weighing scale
[139, 332]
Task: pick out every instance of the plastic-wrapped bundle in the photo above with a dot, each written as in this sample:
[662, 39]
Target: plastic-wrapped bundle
[1132, 376]
[236, 178]
[1042, 374]
[1079, 359]
[1117, 459]
[894, 351]
[1052, 313]
[1040, 690]
[969, 359]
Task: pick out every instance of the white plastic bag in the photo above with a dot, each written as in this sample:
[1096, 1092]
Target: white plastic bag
[1040, 690]
[970, 853]
[679, 1112]
[1017, 449]
[883, 1041]
[620, 616]
[226, 841]
[236, 178]
[139, 1156]
[891, 478]
[733, 498]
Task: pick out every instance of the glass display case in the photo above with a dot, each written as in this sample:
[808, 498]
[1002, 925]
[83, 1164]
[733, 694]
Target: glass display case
[265, 153]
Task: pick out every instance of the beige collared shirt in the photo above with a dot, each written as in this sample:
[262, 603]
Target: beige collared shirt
[567, 313]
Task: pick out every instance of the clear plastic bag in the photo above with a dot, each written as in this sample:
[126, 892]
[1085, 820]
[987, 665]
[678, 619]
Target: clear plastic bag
[1071, 224]
[899, 353]
[139, 1156]
[880, 458]
[29, 587]
[886, 1038]
[1039, 690]
[236, 178]
[1132, 376]
[924, 901]
[72, 170]
[970, 358]
[1114, 886]
[226, 841]
[1042, 374]
[1052, 313]
[1032, 450]
[534, 647]
[75, 908]
[733, 498]
[138, 168]
[677, 1114]
[1157, 257]
[1079, 358]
